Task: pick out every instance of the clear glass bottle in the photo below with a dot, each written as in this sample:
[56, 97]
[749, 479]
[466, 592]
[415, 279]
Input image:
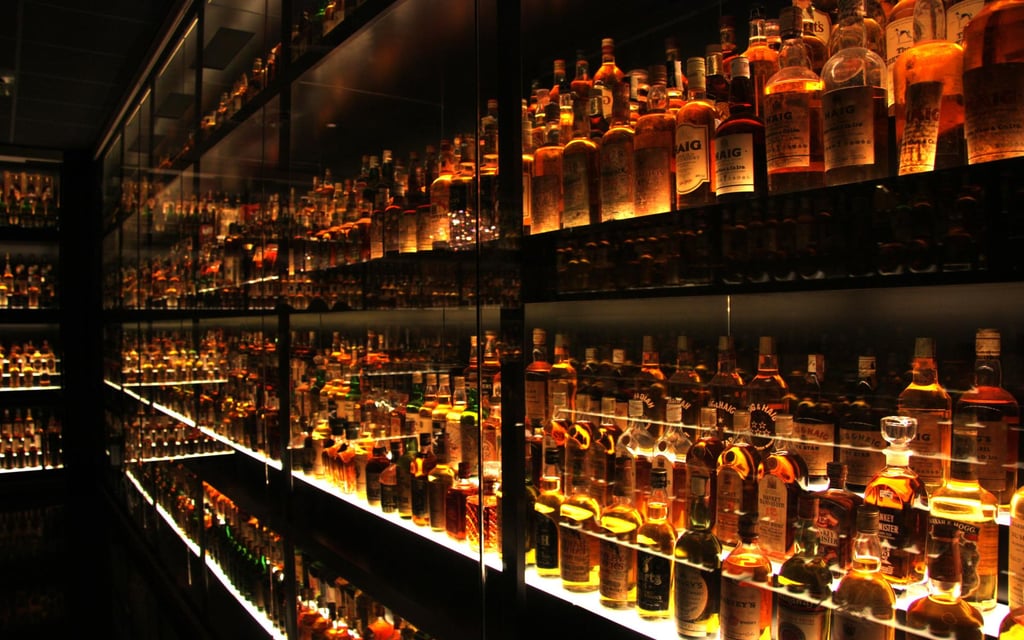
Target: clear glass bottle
[654, 145]
[739, 471]
[943, 612]
[865, 602]
[538, 409]
[687, 393]
[807, 577]
[739, 147]
[655, 567]
[746, 609]
[925, 400]
[698, 565]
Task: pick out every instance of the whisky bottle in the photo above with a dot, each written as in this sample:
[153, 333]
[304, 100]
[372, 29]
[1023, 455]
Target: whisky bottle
[738, 146]
[965, 505]
[620, 521]
[865, 602]
[405, 466]
[675, 79]
[528, 148]
[437, 229]
[860, 444]
[837, 519]
[943, 612]
[958, 16]
[537, 374]
[377, 463]
[929, 95]
[439, 480]
[746, 609]
[861, 23]
[579, 545]
[854, 104]
[815, 423]
[993, 113]
[453, 420]
[581, 197]
[686, 392]
[792, 114]
[717, 80]
[765, 393]
[547, 510]
[807, 577]
[617, 160]
[696, 121]
[764, 61]
[654, 142]
[649, 386]
[988, 404]
[1015, 565]
[546, 189]
[899, 37]
[562, 378]
[389, 480]
[428, 404]
[670, 453]
[816, 26]
[698, 564]
[702, 458]
[902, 504]
[779, 491]
[654, 567]
[740, 469]
[925, 400]
[423, 464]
[462, 197]
[455, 503]
[727, 393]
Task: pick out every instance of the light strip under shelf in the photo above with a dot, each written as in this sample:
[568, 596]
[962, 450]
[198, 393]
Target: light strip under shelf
[167, 517]
[256, 455]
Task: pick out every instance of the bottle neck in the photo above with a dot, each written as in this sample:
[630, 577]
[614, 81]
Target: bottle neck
[806, 540]
[793, 52]
[925, 372]
[988, 372]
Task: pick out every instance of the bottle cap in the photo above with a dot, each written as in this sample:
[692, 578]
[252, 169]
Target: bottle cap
[987, 343]
[924, 348]
[740, 66]
[539, 337]
[708, 417]
[725, 343]
[658, 74]
[659, 478]
[741, 421]
[698, 484]
[766, 344]
[607, 45]
[899, 430]
[559, 66]
[561, 341]
[867, 518]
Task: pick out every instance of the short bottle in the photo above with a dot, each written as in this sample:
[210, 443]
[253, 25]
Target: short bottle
[579, 551]
[807, 577]
[620, 521]
[698, 565]
[943, 612]
[746, 575]
[864, 599]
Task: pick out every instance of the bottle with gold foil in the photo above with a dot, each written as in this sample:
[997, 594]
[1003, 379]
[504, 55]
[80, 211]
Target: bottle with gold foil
[993, 113]
[902, 503]
[943, 612]
[739, 471]
[925, 400]
[698, 564]
[792, 114]
[779, 491]
[655, 567]
[865, 602]
[654, 144]
[929, 95]
[807, 577]
[578, 541]
[746, 609]
[967, 506]
[620, 521]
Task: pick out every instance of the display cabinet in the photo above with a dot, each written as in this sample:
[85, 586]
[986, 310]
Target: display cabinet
[333, 290]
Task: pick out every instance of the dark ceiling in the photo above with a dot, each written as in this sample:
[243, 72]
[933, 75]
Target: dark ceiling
[71, 62]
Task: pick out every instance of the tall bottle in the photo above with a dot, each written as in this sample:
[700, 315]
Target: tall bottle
[860, 442]
[765, 393]
[528, 148]
[581, 197]
[855, 105]
[967, 506]
[547, 510]
[817, 27]
[929, 95]
[815, 423]
[546, 189]
[993, 114]
[687, 393]
[438, 227]
[702, 458]
[655, 567]
[779, 491]
[902, 503]
[925, 400]
[739, 146]
[740, 469]
[806, 574]
[792, 114]
[578, 542]
[654, 143]
[988, 404]
[865, 602]
[764, 61]
[837, 520]
[943, 612]
[696, 122]
[620, 521]
[1015, 590]
[617, 160]
[698, 565]
[562, 378]
[537, 374]
[746, 607]
[726, 386]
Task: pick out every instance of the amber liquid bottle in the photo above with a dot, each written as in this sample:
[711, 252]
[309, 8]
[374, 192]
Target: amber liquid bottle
[746, 609]
[837, 519]
[779, 491]
[943, 612]
[547, 510]
[696, 121]
[618, 162]
[581, 196]
[865, 602]
[925, 400]
[739, 145]
[806, 576]
[620, 520]
[655, 567]
[698, 565]
[654, 143]
[739, 471]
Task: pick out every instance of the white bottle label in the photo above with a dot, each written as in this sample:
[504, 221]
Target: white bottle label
[741, 610]
[787, 126]
[958, 15]
[849, 127]
[693, 166]
[730, 504]
[1016, 563]
[692, 594]
[899, 36]
[921, 131]
[801, 620]
[930, 445]
[772, 508]
[734, 163]
[994, 112]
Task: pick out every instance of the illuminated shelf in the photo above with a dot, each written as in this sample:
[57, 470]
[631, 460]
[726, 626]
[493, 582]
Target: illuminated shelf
[192, 546]
[35, 469]
[182, 383]
[240, 448]
[52, 387]
[167, 411]
[257, 615]
[183, 456]
[491, 559]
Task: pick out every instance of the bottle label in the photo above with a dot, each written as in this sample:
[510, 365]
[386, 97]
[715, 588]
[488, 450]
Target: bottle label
[762, 423]
[773, 511]
[654, 179]
[801, 620]
[607, 101]
[617, 574]
[616, 180]
[576, 179]
[902, 532]
[696, 599]
[848, 627]
[993, 451]
[1016, 581]
[734, 163]
[958, 15]
[674, 411]
[979, 550]
[932, 441]
[547, 191]
[899, 36]
[994, 111]
[822, 26]
[787, 127]
[546, 531]
[373, 487]
[921, 131]
[813, 442]
[741, 610]
[693, 166]
[730, 504]
[849, 127]
[861, 452]
[654, 582]
[537, 401]
[576, 565]
[418, 496]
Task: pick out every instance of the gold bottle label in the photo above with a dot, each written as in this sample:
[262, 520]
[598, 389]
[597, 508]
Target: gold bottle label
[734, 163]
[1016, 563]
[994, 111]
[741, 610]
[616, 181]
[653, 180]
[575, 191]
[921, 131]
[547, 191]
[958, 16]
[861, 452]
[617, 576]
[801, 620]
[695, 600]
[693, 166]
[813, 442]
[930, 447]
[787, 127]
[772, 509]
[849, 127]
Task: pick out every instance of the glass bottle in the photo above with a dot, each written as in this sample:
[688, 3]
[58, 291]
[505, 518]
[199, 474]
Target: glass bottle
[925, 400]
[611, 85]
[902, 504]
[837, 520]
[817, 27]
[617, 160]
[987, 403]
[453, 420]
[702, 458]
[965, 505]
[546, 513]
[779, 491]
[860, 443]
[670, 455]
[865, 602]
[815, 423]
[650, 387]
[537, 374]
[654, 143]
[717, 80]
[578, 542]
[929, 95]
[654, 567]
[807, 577]
[528, 149]
[423, 464]
[546, 188]
[854, 104]
[1015, 582]
[764, 61]
[389, 480]
[581, 197]
[696, 121]
[993, 115]
[404, 472]
[439, 480]
[739, 147]
[792, 114]
[437, 229]
[765, 394]
[374, 466]
[455, 503]
[899, 37]
[686, 392]
[620, 521]
[727, 393]
[943, 612]
[739, 471]
[562, 378]
[746, 609]
[698, 565]
[675, 78]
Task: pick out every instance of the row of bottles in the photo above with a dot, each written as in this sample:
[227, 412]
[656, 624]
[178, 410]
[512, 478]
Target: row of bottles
[244, 89]
[170, 357]
[152, 435]
[31, 438]
[29, 200]
[28, 364]
[29, 284]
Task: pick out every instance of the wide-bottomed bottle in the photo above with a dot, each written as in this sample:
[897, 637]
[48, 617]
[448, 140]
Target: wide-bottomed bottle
[698, 563]
[806, 575]
[739, 471]
[746, 609]
[943, 612]
[865, 602]
[578, 541]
